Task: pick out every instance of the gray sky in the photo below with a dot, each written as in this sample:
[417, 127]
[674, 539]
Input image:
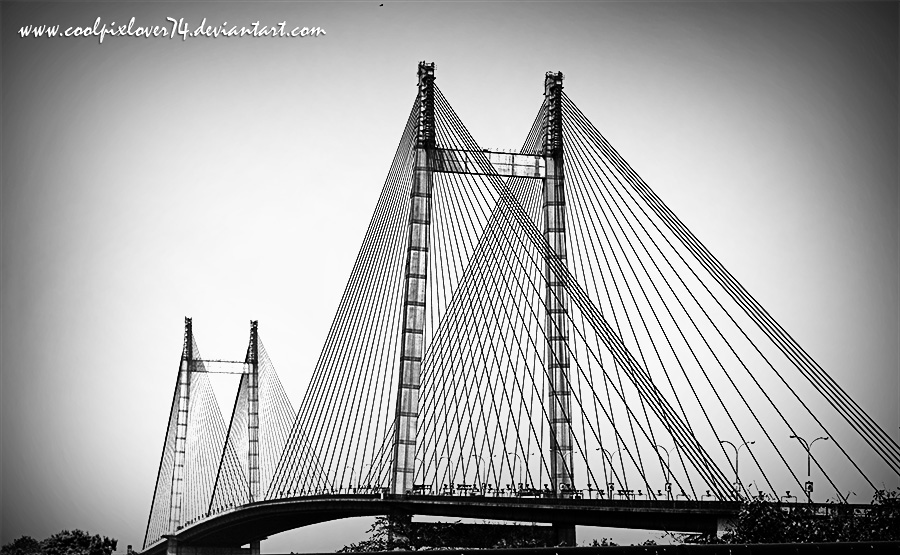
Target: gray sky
[230, 179]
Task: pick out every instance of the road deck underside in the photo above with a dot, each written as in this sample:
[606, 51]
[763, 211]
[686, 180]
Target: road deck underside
[260, 520]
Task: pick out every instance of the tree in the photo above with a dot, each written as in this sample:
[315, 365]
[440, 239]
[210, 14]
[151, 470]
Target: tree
[74, 542]
[26, 545]
[761, 520]
[380, 538]
[400, 532]
[77, 542]
[884, 516]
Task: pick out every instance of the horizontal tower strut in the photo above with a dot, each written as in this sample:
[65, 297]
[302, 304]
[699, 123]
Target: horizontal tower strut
[203, 366]
[504, 164]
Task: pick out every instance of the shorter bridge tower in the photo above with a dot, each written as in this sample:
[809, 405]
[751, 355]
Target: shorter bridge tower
[182, 404]
[252, 368]
[206, 467]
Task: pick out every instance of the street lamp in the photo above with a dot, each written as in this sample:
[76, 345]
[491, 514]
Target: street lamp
[608, 456]
[478, 475]
[350, 484]
[808, 446]
[737, 482]
[437, 472]
[512, 471]
[363, 475]
[611, 468]
[421, 469]
[668, 474]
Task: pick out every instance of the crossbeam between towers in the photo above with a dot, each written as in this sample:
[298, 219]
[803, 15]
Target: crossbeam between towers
[503, 164]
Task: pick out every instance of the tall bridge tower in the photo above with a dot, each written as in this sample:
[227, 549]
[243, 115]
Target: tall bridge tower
[555, 298]
[415, 275]
[557, 350]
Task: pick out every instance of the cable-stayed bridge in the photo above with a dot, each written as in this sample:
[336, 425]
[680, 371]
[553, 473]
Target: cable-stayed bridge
[529, 335]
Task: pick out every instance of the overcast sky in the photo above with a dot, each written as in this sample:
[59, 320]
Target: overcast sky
[230, 179]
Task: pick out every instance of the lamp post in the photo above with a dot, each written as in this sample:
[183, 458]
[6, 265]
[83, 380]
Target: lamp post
[363, 475]
[668, 473]
[808, 446]
[737, 482]
[350, 483]
[421, 468]
[608, 456]
[512, 471]
[477, 467]
[609, 485]
[437, 472]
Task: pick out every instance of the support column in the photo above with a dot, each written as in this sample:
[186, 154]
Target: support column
[252, 363]
[556, 299]
[413, 323]
[174, 547]
[181, 425]
[564, 535]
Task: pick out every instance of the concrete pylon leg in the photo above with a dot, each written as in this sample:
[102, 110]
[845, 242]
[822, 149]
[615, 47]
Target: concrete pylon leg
[414, 297]
[173, 547]
[556, 295]
[565, 535]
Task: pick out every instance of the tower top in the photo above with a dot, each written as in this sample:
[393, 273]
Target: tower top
[426, 69]
[426, 135]
[253, 348]
[187, 350]
[553, 82]
[553, 140]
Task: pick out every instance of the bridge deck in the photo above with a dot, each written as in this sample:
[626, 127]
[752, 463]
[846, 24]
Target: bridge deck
[260, 520]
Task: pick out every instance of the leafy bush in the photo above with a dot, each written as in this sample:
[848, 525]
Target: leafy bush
[400, 532]
[75, 542]
[762, 520]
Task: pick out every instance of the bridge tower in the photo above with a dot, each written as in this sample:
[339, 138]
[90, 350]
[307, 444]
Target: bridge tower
[415, 274]
[556, 301]
[252, 369]
[183, 392]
